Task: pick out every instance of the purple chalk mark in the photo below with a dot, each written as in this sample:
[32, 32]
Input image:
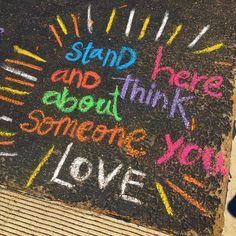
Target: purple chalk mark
[178, 103]
[2, 30]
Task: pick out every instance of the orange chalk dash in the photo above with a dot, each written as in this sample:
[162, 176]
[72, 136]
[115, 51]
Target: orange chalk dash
[52, 28]
[22, 63]
[194, 181]
[123, 6]
[11, 79]
[7, 143]
[74, 19]
[223, 63]
[13, 101]
[187, 197]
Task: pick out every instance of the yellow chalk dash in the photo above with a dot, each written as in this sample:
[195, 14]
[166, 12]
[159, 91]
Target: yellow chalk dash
[62, 25]
[144, 28]
[13, 91]
[164, 199]
[209, 49]
[38, 168]
[19, 50]
[113, 13]
[174, 35]
[6, 134]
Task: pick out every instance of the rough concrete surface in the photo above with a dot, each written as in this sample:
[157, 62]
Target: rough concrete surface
[147, 146]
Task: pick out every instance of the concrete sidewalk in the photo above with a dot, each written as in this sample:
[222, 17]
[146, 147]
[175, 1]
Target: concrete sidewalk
[21, 214]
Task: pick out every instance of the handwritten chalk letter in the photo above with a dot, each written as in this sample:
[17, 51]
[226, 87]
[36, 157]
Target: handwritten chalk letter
[76, 167]
[127, 180]
[109, 58]
[102, 180]
[60, 164]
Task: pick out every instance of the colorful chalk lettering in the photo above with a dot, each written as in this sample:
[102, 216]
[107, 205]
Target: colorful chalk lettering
[109, 58]
[61, 101]
[78, 177]
[87, 80]
[183, 151]
[141, 112]
[153, 97]
[179, 79]
[85, 131]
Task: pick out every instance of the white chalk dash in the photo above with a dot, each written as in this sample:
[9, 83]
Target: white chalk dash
[6, 118]
[203, 31]
[129, 24]
[90, 22]
[7, 154]
[163, 24]
[18, 72]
